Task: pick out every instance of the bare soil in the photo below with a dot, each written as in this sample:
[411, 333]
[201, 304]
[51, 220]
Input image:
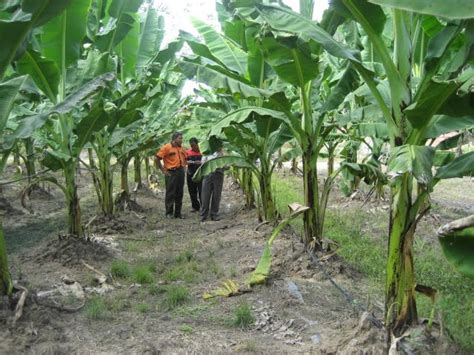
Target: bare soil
[299, 310]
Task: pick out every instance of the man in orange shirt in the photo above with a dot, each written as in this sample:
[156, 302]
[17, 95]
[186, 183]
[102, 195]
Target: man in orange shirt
[174, 162]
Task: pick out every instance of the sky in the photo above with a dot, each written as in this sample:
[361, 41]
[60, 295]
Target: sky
[178, 14]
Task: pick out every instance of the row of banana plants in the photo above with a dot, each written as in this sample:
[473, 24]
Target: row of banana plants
[84, 75]
[395, 74]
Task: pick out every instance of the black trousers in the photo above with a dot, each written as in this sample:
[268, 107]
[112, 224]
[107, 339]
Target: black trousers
[195, 190]
[211, 194]
[174, 192]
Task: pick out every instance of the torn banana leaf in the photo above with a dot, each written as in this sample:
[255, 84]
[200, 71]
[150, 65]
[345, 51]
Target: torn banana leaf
[229, 288]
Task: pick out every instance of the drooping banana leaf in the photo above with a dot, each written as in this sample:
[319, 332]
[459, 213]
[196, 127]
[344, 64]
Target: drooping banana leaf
[262, 270]
[459, 167]
[28, 125]
[9, 91]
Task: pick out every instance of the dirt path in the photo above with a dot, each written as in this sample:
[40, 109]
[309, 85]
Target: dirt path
[298, 311]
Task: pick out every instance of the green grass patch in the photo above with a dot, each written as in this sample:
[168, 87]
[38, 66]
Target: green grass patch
[186, 328]
[96, 309]
[185, 256]
[142, 275]
[142, 307]
[242, 316]
[188, 272]
[175, 296]
[120, 269]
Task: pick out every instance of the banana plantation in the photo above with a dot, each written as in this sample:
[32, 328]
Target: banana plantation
[346, 221]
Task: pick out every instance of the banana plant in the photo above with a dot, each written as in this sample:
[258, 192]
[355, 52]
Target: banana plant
[296, 63]
[265, 131]
[18, 19]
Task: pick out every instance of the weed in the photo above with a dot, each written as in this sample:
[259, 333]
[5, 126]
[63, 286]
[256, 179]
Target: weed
[120, 269]
[96, 309]
[143, 275]
[243, 317]
[132, 246]
[184, 256]
[155, 290]
[185, 328]
[232, 271]
[142, 307]
[175, 296]
[193, 311]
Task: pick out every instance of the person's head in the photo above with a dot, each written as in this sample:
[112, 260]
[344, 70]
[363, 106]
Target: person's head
[177, 139]
[194, 143]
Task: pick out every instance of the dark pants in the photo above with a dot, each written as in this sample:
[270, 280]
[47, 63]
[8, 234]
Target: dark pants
[174, 192]
[211, 194]
[195, 190]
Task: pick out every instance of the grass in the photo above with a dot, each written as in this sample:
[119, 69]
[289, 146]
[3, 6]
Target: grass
[175, 296]
[362, 240]
[243, 317]
[143, 275]
[142, 307]
[185, 328]
[96, 309]
[187, 271]
[120, 269]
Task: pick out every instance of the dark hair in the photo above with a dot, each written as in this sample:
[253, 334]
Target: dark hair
[176, 135]
[193, 140]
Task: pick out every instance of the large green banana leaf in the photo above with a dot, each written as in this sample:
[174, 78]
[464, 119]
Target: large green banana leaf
[118, 22]
[455, 9]
[128, 49]
[457, 242]
[413, 159]
[9, 91]
[441, 124]
[228, 52]
[459, 167]
[151, 36]
[222, 162]
[43, 71]
[61, 38]
[16, 28]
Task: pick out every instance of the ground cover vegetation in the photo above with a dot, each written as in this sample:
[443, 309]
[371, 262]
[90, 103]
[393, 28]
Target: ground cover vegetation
[380, 91]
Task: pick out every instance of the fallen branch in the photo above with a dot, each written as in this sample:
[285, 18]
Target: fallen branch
[62, 308]
[260, 225]
[102, 277]
[19, 305]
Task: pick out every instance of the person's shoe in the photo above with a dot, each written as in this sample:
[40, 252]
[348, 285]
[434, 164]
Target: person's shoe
[203, 219]
[216, 218]
[179, 216]
[194, 210]
[169, 216]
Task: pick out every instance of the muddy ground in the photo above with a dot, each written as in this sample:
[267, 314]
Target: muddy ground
[299, 310]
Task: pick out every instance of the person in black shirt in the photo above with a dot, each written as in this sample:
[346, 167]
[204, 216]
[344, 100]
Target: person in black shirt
[194, 157]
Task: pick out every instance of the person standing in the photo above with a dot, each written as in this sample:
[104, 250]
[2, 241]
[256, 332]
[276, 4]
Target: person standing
[194, 157]
[212, 190]
[174, 160]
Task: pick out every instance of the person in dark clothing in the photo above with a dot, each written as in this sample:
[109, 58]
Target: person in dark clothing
[212, 190]
[194, 162]
[174, 160]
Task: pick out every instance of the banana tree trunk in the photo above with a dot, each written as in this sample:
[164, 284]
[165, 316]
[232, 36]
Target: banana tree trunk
[147, 167]
[124, 176]
[30, 163]
[268, 204]
[72, 200]
[400, 305]
[294, 166]
[311, 236]
[94, 170]
[247, 187]
[106, 186]
[137, 167]
[6, 284]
